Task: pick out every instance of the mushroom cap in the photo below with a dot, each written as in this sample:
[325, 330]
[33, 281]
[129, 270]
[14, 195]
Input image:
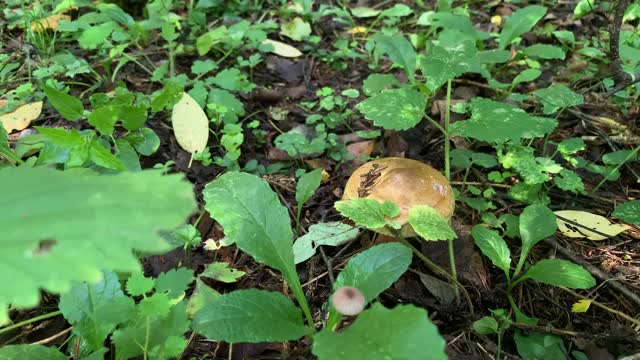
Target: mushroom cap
[406, 183]
[348, 300]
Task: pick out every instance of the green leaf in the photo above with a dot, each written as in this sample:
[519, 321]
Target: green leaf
[375, 83]
[628, 212]
[619, 157]
[557, 96]
[250, 316]
[127, 155]
[174, 282]
[492, 246]
[485, 326]
[368, 213]
[494, 56]
[519, 23]
[96, 35]
[396, 109]
[252, 216]
[536, 345]
[568, 180]
[565, 36]
[202, 295]
[307, 185]
[62, 137]
[31, 352]
[526, 76]
[379, 333]
[364, 12]
[144, 140]
[497, 122]
[399, 50]
[447, 62]
[331, 233]
[397, 10]
[200, 67]
[296, 29]
[583, 7]
[536, 223]
[153, 327]
[571, 146]
[94, 310]
[231, 79]
[560, 272]
[52, 238]
[167, 97]
[68, 106]
[234, 106]
[544, 51]
[222, 272]
[104, 118]
[103, 157]
[138, 284]
[296, 143]
[430, 224]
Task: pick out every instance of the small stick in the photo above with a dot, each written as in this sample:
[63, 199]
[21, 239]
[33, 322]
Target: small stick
[51, 338]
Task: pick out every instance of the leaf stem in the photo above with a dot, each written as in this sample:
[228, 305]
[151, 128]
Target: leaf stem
[447, 117]
[30, 321]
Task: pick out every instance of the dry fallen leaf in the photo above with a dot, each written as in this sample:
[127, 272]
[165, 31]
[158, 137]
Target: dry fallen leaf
[601, 225]
[357, 30]
[49, 23]
[282, 49]
[21, 117]
[581, 306]
[190, 124]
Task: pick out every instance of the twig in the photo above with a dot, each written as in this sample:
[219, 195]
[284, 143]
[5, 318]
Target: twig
[51, 338]
[594, 270]
[568, 333]
[621, 78]
[603, 306]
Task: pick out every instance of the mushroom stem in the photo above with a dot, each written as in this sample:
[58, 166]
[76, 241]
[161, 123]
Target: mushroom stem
[439, 270]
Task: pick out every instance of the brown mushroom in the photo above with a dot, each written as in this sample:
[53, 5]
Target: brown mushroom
[348, 300]
[404, 182]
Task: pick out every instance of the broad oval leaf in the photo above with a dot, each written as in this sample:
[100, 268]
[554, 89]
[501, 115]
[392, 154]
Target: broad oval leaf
[430, 224]
[404, 332]
[492, 246]
[399, 50]
[557, 96]
[485, 326]
[395, 109]
[69, 107]
[331, 233]
[536, 223]
[307, 185]
[447, 62]
[21, 117]
[372, 271]
[51, 238]
[519, 23]
[560, 272]
[578, 224]
[252, 216]
[250, 316]
[190, 124]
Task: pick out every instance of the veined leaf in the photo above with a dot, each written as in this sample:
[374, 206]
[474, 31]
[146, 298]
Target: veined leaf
[492, 246]
[557, 96]
[57, 234]
[190, 124]
[536, 223]
[368, 213]
[430, 224]
[560, 272]
[629, 212]
[396, 109]
[399, 50]
[69, 107]
[519, 23]
[250, 316]
[404, 332]
[447, 62]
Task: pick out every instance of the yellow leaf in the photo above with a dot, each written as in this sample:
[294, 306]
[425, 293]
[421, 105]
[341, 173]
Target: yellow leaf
[497, 20]
[21, 117]
[357, 30]
[282, 49]
[49, 23]
[581, 306]
[581, 222]
[190, 124]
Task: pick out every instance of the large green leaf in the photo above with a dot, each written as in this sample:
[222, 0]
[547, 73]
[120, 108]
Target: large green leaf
[252, 216]
[395, 109]
[430, 224]
[492, 246]
[629, 212]
[104, 118]
[94, 310]
[399, 50]
[560, 272]
[58, 226]
[519, 23]
[498, 122]
[250, 316]
[69, 107]
[372, 271]
[402, 333]
[369, 213]
[447, 62]
[31, 352]
[557, 96]
[536, 223]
